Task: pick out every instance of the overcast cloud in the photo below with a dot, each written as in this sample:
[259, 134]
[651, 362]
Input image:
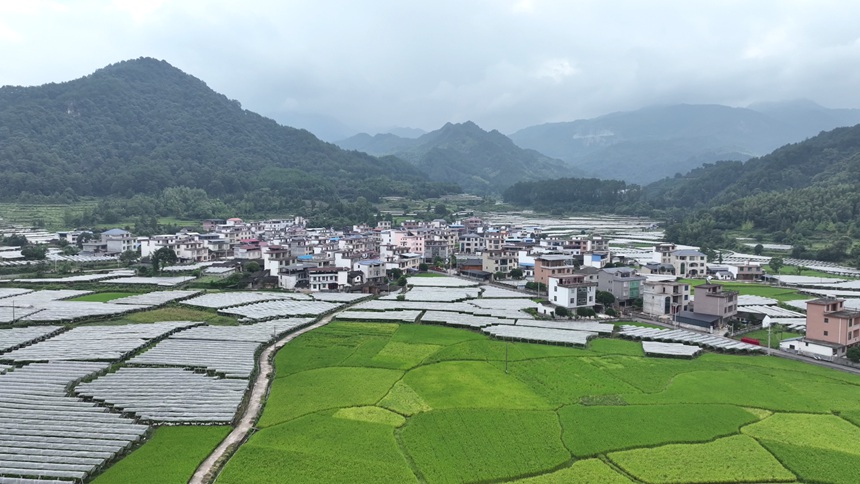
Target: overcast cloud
[506, 65]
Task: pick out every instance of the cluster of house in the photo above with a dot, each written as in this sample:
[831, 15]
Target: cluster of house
[570, 269]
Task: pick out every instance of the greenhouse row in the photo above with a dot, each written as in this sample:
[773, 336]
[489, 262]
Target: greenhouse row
[684, 336]
[168, 394]
[540, 335]
[46, 434]
[99, 343]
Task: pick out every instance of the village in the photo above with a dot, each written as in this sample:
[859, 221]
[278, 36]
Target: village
[567, 275]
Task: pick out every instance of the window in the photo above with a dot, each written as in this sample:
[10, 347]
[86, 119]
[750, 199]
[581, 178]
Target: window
[826, 320]
[825, 333]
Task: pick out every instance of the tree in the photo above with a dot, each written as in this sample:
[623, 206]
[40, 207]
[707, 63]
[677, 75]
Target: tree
[34, 252]
[440, 210]
[162, 257]
[401, 281]
[252, 266]
[516, 273]
[499, 275]
[585, 312]
[758, 249]
[128, 256]
[71, 250]
[853, 354]
[422, 267]
[15, 240]
[562, 311]
[799, 269]
[394, 274]
[776, 263]
[605, 298]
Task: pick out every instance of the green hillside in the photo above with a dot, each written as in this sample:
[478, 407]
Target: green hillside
[140, 126]
[478, 160]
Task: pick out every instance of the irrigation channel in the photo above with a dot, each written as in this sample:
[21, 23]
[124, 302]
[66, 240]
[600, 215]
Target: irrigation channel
[208, 470]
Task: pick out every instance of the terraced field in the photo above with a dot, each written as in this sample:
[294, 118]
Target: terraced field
[384, 402]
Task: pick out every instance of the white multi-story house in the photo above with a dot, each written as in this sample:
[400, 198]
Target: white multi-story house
[571, 291]
[665, 298]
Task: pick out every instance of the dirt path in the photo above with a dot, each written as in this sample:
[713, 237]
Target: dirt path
[208, 470]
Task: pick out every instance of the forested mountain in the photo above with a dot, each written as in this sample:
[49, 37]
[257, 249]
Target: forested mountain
[800, 193]
[140, 126]
[648, 144]
[480, 161]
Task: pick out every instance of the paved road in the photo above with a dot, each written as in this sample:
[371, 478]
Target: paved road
[209, 469]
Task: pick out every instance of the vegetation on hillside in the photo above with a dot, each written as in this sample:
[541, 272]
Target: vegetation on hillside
[133, 129]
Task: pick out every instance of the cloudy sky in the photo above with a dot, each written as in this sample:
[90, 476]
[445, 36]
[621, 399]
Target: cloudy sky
[337, 67]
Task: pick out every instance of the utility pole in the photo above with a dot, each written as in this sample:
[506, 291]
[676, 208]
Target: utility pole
[769, 328]
[506, 357]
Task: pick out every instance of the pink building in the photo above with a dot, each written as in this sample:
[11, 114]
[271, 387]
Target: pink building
[828, 321]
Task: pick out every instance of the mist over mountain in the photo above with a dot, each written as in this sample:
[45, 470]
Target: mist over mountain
[648, 144]
[480, 161]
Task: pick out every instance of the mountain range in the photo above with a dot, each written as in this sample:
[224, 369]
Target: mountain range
[648, 144]
[140, 126]
[479, 161]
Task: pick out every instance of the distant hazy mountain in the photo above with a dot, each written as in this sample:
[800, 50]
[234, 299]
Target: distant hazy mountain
[477, 160]
[652, 143]
[404, 132]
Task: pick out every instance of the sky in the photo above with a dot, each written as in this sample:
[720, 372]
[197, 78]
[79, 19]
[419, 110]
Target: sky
[341, 67]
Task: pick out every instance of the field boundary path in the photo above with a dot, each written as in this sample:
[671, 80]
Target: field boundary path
[209, 468]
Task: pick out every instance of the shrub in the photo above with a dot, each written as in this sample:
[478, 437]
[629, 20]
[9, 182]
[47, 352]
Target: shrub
[585, 312]
[562, 311]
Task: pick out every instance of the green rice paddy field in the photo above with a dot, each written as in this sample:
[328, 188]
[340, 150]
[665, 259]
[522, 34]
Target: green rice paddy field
[365, 402]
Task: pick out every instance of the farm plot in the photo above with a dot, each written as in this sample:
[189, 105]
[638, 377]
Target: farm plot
[170, 456]
[333, 446]
[68, 279]
[383, 305]
[222, 300]
[38, 297]
[731, 459]
[493, 292]
[280, 309]
[586, 471]
[168, 395]
[341, 297]
[12, 291]
[460, 319]
[600, 328]
[155, 298]
[473, 409]
[594, 430]
[439, 294]
[233, 359]
[684, 336]
[150, 281]
[440, 282]
[96, 343]
[670, 349]
[9, 314]
[259, 332]
[512, 305]
[70, 311]
[392, 316]
[13, 338]
[540, 335]
[463, 445]
[46, 434]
